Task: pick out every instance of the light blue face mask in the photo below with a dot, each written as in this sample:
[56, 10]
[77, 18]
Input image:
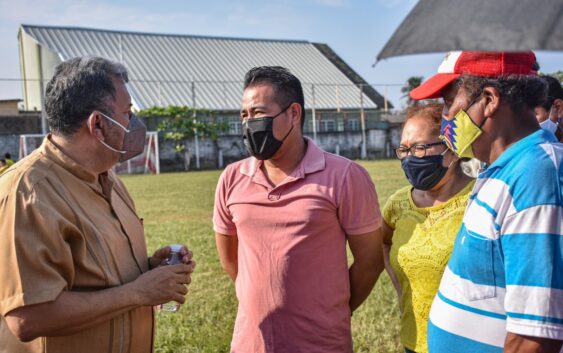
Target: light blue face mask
[549, 125]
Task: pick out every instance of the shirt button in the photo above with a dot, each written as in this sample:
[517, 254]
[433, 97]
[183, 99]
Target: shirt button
[272, 197]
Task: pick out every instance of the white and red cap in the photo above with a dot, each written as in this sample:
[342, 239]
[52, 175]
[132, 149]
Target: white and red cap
[476, 63]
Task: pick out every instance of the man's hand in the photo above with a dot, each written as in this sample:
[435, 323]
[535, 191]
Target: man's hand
[159, 257]
[163, 284]
[73, 312]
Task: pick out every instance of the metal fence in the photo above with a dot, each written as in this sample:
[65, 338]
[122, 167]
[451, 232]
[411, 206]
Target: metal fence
[222, 95]
[330, 108]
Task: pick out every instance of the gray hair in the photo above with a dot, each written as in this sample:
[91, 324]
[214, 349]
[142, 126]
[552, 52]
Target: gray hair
[78, 87]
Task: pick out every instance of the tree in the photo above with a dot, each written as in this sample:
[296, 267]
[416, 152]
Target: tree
[412, 83]
[181, 123]
[558, 75]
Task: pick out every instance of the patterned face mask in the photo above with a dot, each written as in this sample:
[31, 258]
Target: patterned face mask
[460, 133]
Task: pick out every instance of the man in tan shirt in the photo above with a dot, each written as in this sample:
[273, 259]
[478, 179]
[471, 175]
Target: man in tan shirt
[75, 276]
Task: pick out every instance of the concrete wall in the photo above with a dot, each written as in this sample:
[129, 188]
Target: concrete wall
[214, 154]
[347, 144]
[380, 144]
[11, 127]
[9, 144]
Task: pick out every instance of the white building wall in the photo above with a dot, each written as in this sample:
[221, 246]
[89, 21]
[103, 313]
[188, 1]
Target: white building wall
[37, 64]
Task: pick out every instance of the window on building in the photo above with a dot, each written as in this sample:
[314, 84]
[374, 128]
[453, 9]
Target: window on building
[340, 125]
[353, 124]
[235, 128]
[326, 125]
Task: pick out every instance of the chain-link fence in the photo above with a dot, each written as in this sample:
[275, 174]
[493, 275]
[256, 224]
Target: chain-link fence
[357, 121]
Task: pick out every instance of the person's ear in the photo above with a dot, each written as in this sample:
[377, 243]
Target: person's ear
[558, 104]
[493, 101]
[95, 125]
[295, 110]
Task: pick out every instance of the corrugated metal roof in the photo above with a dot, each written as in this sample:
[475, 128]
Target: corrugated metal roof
[162, 67]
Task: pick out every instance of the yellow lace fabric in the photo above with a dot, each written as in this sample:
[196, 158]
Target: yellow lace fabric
[423, 239]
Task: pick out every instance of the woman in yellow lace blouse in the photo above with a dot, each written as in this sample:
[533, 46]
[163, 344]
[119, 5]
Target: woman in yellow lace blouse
[422, 220]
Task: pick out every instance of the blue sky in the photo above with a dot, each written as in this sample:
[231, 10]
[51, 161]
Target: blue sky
[356, 30]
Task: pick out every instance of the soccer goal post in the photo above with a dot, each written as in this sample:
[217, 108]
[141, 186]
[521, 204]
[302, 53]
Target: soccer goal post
[28, 143]
[147, 162]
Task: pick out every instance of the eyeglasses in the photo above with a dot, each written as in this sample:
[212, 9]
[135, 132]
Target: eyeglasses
[418, 151]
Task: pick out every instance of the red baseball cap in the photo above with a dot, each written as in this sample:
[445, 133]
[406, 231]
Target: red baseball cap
[475, 63]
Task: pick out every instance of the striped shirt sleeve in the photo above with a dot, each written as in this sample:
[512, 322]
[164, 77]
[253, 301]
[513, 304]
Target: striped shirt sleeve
[532, 245]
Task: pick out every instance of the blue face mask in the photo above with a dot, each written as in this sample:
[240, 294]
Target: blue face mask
[549, 125]
[426, 172]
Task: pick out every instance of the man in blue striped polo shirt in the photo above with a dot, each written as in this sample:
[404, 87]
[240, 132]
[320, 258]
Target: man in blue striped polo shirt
[502, 290]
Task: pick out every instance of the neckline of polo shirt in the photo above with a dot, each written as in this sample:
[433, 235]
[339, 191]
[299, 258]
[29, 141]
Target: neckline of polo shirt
[51, 151]
[314, 159]
[249, 166]
[511, 152]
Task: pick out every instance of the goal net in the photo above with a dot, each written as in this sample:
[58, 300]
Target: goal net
[145, 163]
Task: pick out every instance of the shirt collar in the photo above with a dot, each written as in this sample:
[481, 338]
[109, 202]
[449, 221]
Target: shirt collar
[52, 152]
[313, 161]
[536, 138]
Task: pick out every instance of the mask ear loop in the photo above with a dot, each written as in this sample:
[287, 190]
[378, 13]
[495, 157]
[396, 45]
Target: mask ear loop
[286, 135]
[291, 129]
[105, 144]
[470, 105]
[115, 122]
[452, 162]
[553, 113]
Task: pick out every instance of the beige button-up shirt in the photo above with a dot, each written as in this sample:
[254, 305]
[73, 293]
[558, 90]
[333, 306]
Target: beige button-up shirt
[63, 228]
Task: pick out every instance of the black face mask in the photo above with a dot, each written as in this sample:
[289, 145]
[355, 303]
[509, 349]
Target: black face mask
[424, 173]
[258, 136]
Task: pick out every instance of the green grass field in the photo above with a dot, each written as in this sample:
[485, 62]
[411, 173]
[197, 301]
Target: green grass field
[178, 207]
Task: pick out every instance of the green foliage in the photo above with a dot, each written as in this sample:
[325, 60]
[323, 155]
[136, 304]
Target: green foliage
[177, 208]
[180, 123]
[558, 75]
[412, 83]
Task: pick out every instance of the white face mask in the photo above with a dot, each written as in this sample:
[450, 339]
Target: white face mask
[472, 168]
[549, 125]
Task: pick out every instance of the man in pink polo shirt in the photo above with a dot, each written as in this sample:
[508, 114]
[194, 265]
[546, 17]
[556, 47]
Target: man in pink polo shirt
[282, 218]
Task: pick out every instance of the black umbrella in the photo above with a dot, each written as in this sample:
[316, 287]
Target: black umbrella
[479, 25]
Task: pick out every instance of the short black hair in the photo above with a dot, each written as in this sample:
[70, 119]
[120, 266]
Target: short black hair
[554, 91]
[8, 156]
[78, 87]
[520, 92]
[287, 87]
